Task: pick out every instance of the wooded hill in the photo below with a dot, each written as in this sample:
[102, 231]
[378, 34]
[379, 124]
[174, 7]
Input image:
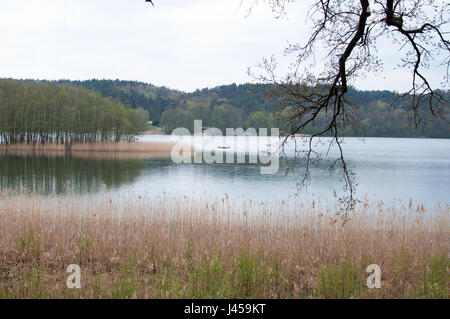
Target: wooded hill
[247, 106]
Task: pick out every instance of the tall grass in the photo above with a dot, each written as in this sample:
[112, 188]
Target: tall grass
[122, 150]
[139, 246]
[92, 147]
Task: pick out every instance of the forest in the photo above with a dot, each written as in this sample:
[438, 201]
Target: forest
[47, 112]
[112, 110]
[249, 105]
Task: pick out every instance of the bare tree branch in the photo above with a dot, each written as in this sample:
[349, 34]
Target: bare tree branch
[349, 29]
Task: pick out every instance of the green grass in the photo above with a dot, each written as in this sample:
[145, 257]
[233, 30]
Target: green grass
[341, 281]
[434, 284]
[249, 276]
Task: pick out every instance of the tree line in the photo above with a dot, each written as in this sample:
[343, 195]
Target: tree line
[248, 105]
[49, 112]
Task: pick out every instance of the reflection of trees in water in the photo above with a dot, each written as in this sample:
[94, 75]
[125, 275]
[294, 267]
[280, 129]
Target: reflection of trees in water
[60, 174]
[87, 172]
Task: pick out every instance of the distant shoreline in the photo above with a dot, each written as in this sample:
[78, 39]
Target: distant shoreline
[92, 147]
[302, 135]
[154, 133]
[117, 151]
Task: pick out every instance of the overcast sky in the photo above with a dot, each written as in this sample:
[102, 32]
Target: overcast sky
[181, 44]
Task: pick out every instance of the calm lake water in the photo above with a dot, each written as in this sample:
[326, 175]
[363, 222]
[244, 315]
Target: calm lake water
[386, 169]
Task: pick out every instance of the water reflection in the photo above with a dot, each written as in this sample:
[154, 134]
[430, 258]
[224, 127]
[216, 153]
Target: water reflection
[61, 173]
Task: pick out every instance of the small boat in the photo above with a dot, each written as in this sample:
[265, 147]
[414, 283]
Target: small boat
[224, 147]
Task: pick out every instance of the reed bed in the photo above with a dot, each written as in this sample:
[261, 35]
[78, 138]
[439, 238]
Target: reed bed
[93, 155]
[92, 147]
[122, 150]
[141, 246]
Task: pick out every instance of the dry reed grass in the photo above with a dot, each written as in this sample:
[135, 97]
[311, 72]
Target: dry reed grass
[135, 246]
[93, 147]
[93, 155]
[123, 150]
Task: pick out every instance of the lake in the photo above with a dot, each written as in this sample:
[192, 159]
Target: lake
[386, 169]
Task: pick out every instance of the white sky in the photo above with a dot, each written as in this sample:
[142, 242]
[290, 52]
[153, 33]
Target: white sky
[181, 44]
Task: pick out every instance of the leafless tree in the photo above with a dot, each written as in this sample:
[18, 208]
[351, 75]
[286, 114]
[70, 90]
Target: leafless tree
[349, 31]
